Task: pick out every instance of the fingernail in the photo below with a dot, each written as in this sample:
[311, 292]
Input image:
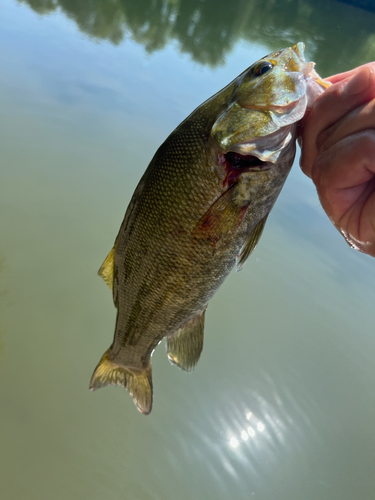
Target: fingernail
[358, 83]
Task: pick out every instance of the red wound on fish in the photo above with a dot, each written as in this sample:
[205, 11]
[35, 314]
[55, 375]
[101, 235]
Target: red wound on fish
[221, 220]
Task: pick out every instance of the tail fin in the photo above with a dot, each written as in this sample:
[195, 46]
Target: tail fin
[139, 385]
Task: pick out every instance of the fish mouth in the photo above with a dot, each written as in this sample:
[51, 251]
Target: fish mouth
[314, 83]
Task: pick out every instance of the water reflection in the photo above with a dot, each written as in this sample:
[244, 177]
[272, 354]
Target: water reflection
[303, 311]
[3, 293]
[207, 30]
[250, 431]
[249, 435]
[363, 4]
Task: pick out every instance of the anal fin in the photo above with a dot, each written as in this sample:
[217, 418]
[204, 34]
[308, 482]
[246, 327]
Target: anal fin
[106, 270]
[138, 384]
[250, 244]
[185, 346]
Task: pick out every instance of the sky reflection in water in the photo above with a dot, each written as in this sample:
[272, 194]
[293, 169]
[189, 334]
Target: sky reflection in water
[290, 339]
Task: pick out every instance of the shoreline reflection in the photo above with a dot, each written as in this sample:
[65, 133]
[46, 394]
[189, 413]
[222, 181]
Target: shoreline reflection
[209, 30]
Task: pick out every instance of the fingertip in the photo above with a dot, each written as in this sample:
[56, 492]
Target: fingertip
[336, 102]
[358, 83]
[347, 74]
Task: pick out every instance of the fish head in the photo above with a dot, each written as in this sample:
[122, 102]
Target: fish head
[269, 99]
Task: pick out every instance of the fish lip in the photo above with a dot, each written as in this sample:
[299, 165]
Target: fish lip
[299, 50]
[307, 68]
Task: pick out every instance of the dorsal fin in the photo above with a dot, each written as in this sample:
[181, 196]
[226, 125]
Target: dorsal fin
[185, 346]
[107, 268]
[250, 244]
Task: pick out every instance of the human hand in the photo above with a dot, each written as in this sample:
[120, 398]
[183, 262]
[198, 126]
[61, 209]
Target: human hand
[338, 153]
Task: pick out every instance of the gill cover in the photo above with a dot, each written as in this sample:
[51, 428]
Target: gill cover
[270, 97]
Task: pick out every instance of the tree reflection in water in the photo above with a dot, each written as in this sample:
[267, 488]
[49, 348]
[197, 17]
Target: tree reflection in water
[335, 33]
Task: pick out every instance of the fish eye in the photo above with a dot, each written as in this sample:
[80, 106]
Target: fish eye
[261, 68]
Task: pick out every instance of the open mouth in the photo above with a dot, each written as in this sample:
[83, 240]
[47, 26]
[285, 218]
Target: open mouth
[236, 164]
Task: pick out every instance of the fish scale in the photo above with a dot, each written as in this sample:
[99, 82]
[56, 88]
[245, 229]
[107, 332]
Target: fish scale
[199, 211]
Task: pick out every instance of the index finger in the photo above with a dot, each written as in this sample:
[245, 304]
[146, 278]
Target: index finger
[337, 101]
[342, 76]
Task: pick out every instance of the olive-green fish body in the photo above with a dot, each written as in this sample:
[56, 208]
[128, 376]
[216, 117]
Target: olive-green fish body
[198, 211]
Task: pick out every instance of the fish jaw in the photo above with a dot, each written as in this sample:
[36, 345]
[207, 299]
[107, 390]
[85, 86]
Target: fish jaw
[315, 85]
[307, 68]
[265, 108]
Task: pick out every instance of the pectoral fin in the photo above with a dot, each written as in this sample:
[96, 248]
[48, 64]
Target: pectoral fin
[185, 346]
[222, 218]
[106, 270]
[250, 244]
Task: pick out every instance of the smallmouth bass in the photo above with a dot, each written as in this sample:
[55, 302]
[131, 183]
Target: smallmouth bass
[197, 212]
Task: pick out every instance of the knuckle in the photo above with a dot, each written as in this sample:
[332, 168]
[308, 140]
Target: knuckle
[366, 141]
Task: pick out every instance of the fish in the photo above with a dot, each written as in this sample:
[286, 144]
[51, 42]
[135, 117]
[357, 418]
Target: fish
[197, 213]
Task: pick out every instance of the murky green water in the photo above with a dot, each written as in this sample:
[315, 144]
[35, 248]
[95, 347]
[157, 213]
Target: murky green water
[282, 403]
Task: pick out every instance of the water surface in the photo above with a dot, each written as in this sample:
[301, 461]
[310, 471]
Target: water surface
[282, 402]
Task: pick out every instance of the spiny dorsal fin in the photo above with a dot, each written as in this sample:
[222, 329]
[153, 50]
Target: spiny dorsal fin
[139, 385]
[107, 268]
[185, 346]
[250, 244]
